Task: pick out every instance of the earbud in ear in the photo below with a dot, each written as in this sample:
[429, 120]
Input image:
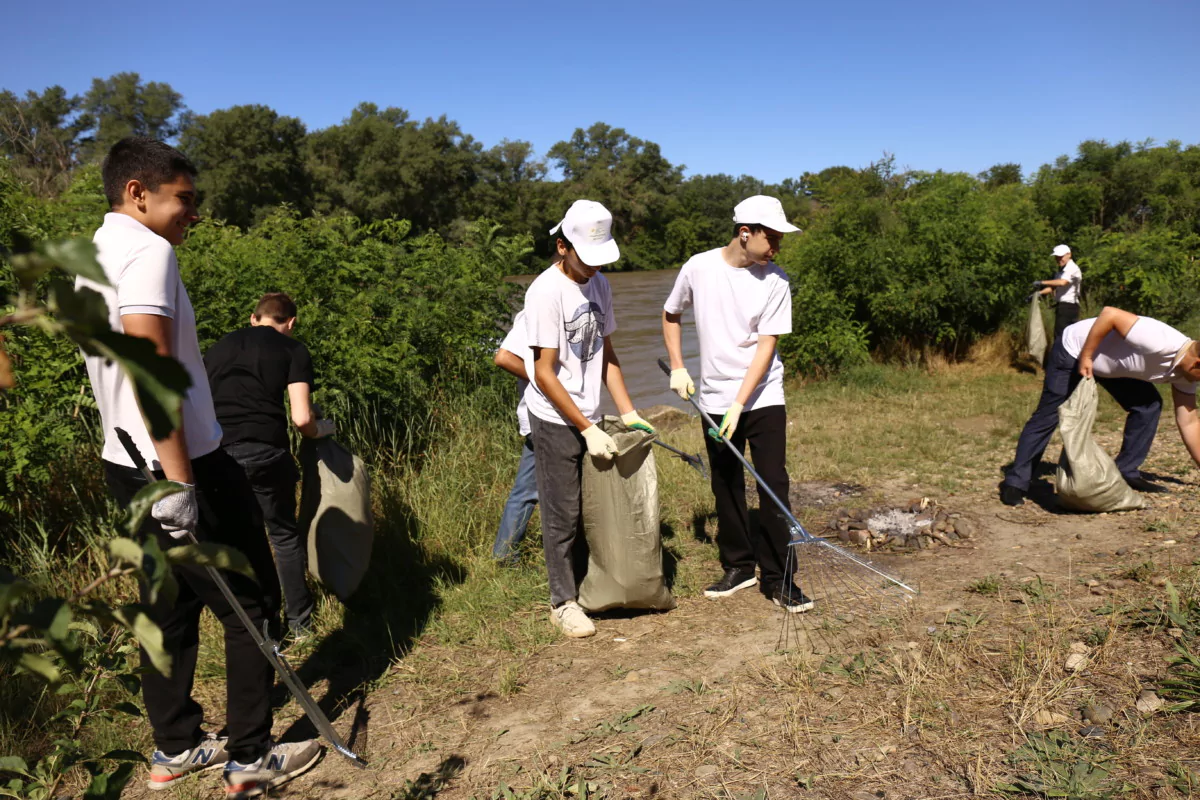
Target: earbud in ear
[745, 237]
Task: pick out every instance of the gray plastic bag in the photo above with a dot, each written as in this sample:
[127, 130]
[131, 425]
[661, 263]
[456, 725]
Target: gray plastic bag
[1035, 331]
[620, 521]
[1088, 478]
[335, 510]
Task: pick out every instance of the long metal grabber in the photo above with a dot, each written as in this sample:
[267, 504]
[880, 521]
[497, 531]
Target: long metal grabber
[799, 534]
[694, 461]
[268, 646]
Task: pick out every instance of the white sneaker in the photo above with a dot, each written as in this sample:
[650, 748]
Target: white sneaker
[571, 619]
[281, 763]
[166, 770]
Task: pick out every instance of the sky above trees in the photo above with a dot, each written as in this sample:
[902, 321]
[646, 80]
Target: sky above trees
[773, 90]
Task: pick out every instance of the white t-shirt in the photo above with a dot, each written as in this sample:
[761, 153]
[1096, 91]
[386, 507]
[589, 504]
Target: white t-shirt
[514, 343]
[1148, 353]
[733, 306]
[144, 274]
[573, 318]
[1070, 292]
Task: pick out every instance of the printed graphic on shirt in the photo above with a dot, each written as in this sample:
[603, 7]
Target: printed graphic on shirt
[584, 330]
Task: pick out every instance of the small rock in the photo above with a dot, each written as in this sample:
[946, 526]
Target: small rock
[1148, 702]
[1159, 581]
[1168, 543]
[964, 528]
[1122, 551]
[632, 676]
[1093, 583]
[1097, 714]
[1076, 662]
[1050, 719]
[1079, 536]
[1080, 647]
[706, 771]
[1091, 732]
[857, 525]
[859, 537]
[1175, 633]
[844, 535]
[834, 693]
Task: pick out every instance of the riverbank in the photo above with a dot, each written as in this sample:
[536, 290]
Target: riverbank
[449, 678]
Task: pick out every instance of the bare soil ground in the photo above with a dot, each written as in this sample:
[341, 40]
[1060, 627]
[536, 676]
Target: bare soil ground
[968, 693]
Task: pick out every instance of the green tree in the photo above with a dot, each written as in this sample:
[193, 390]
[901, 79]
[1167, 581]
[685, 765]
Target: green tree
[250, 160]
[40, 136]
[122, 106]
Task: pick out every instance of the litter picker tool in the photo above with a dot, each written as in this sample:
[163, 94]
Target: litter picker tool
[268, 646]
[842, 583]
[693, 461]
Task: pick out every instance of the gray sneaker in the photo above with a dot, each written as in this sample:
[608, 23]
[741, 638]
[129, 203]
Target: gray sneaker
[166, 771]
[281, 763]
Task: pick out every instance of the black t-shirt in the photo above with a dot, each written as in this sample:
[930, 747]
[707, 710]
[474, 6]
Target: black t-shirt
[249, 372]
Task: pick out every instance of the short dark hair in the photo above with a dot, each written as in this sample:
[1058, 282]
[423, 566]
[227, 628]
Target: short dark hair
[276, 305]
[140, 158]
[554, 240]
[753, 226]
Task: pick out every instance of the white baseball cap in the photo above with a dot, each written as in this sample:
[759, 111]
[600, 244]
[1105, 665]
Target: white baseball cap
[588, 227]
[763, 210]
[1061, 250]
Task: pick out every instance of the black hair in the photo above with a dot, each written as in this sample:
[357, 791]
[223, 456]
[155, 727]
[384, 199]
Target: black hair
[140, 158]
[554, 240]
[753, 226]
[276, 305]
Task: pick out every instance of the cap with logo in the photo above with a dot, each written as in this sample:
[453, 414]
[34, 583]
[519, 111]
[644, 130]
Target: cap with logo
[588, 227]
[1061, 250]
[763, 210]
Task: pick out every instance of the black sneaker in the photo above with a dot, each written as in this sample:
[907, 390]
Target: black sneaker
[1011, 495]
[1140, 484]
[787, 595]
[732, 581]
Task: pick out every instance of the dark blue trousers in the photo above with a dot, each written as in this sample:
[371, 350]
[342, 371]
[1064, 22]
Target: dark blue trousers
[1140, 399]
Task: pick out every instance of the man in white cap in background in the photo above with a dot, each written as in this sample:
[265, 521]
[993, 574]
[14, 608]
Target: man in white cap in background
[568, 322]
[1066, 288]
[743, 304]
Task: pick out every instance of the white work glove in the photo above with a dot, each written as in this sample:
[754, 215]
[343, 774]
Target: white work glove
[325, 428]
[599, 444]
[633, 420]
[729, 421]
[681, 383]
[178, 513]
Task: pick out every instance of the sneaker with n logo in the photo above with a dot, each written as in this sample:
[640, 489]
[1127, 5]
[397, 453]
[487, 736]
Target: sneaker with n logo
[167, 770]
[281, 763]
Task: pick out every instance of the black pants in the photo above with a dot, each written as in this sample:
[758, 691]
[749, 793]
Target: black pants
[559, 469]
[273, 476]
[1140, 399]
[227, 510]
[1064, 314]
[765, 430]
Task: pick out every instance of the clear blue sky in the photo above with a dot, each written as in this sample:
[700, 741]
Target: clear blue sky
[770, 89]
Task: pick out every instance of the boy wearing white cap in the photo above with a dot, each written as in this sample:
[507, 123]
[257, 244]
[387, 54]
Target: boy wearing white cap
[743, 304]
[568, 321]
[1066, 288]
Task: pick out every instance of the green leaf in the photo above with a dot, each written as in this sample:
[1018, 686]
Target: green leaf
[76, 256]
[135, 617]
[158, 573]
[125, 551]
[143, 502]
[125, 755]
[39, 665]
[11, 593]
[83, 312]
[13, 764]
[29, 267]
[108, 786]
[126, 707]
[158, 381]
[210, 554]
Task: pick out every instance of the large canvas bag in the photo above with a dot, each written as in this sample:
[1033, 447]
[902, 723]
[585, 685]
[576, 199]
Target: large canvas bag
[620, 521]
[1088, 478]
[1035, 331]
[335, 510]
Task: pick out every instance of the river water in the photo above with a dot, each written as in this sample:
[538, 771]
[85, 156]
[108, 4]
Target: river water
[638, 299]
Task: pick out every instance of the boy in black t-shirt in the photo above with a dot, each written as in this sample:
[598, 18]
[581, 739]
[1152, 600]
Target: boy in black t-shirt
[250, 371]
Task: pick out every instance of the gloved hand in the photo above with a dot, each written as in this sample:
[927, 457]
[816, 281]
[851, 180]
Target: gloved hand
[178, 513]
[632, 420]
[729, 421]
[1030, 297]
[325, 427]
[1038, 285]
[599, 444]
[681, 383]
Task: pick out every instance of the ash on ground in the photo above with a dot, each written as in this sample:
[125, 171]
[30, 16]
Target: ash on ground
[919, 525]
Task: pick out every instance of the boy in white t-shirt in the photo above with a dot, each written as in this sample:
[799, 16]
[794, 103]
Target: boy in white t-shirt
[153, 199]
[1066, 288]
[1127, 355]
[743, 304]
[568, 322]
[511, 357]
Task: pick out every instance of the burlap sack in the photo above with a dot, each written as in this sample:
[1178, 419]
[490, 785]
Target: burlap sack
[335, 510]
[620, 521]
[1088, 478]
[1035, 331]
